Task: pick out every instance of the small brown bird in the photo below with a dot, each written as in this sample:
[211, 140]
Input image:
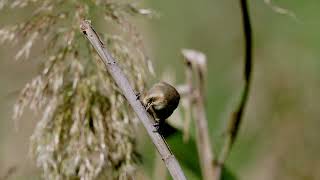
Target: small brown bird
[161, 100]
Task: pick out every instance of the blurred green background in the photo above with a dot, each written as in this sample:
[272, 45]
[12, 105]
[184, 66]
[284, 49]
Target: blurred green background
[279, 136]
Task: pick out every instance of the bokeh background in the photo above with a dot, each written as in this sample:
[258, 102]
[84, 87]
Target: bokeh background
[279, 136]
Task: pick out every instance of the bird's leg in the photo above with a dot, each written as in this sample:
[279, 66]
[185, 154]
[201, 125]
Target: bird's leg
[153, 113]
[158, 123]
[149, 106]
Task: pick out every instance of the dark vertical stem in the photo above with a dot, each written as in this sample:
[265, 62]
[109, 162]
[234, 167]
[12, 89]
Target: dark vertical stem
[236, 118]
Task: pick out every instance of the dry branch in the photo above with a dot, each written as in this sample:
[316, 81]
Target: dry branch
[123, 83]
[196, 62]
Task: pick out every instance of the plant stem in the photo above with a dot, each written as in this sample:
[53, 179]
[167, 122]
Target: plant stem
[197, 61]
[203, 140]
[236, 117]
[123, 83]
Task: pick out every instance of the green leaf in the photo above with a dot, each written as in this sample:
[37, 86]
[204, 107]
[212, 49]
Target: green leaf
[187, 155]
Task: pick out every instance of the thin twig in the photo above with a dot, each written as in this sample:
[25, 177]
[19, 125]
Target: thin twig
[281, 10]
[203, 140]
[123, 83]
[235, 121]
[197, 61]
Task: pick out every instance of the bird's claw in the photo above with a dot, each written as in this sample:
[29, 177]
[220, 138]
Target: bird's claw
[138, 95]
[157, 127]
[148, 106]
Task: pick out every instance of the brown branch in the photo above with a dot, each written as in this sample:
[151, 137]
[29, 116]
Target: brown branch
[123, 83]
[197, 61]
[236, 118]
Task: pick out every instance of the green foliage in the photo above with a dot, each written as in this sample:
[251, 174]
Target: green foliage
[186, 153]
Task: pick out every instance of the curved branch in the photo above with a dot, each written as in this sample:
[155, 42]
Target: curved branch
[236, 117]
